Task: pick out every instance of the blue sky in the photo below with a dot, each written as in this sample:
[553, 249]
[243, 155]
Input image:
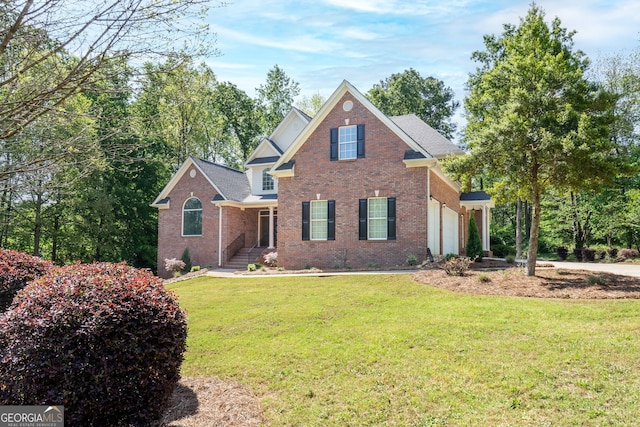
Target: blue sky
[321, 42]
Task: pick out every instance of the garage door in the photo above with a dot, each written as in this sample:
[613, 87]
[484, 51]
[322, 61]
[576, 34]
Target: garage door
[434, 226]
[450, 231]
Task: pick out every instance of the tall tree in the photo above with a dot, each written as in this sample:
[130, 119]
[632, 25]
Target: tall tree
[38, 34]
[241, 120]
[310, 105]
[534, 120]
[275, 98]
[427, 97]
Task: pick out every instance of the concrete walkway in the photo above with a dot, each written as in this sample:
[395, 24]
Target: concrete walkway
[621, 268]
[624, 269]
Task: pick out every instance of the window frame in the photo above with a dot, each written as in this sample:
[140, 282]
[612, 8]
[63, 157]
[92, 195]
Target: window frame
[269, 180]
[191, 210]
[353, 144]
[323, 221]
[383, 219]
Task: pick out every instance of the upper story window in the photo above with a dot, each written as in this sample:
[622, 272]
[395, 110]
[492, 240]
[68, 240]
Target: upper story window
[347, 142]
[267, 180]
[192, 217]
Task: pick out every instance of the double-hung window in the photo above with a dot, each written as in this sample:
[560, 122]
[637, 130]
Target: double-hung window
[267, 180]
[192, 217]
[318, 220]
[377, 218]
[347, 142]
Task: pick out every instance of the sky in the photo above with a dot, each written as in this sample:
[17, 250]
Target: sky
[320, 43]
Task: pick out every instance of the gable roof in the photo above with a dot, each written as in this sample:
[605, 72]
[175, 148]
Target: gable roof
[230, 184]
[425, 136]
[346, 87]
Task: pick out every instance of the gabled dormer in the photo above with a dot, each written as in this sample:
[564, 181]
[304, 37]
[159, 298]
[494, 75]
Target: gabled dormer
[268, 152]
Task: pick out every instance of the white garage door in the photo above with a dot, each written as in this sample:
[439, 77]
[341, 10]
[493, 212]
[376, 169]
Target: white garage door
[450, 231]
[434, 226]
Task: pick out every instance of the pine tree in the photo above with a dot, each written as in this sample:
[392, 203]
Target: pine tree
[474, 245]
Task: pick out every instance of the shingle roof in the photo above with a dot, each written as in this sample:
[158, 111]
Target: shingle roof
[473, 196]
[425, 136]
[233, 184]
[261, 160]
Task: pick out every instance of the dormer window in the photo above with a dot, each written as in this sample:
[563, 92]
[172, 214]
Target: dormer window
[267, 180]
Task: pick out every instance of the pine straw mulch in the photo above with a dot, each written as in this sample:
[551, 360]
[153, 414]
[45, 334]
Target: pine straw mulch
[505, 279]
[209, 402]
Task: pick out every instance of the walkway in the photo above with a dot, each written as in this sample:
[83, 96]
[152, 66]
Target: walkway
[621, 268]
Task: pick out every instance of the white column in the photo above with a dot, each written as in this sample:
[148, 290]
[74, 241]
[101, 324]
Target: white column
[485, 229]
[271, 227]
[220, 236]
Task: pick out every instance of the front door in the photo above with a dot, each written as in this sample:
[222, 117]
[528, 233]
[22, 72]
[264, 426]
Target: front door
[264, 229]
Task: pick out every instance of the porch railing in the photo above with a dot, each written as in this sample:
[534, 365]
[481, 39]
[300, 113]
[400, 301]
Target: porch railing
[232, 249]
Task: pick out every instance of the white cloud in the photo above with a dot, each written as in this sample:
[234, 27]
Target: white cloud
[303, 43]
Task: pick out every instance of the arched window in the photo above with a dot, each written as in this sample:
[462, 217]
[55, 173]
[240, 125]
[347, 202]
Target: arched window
[192, 217]
[267, 180]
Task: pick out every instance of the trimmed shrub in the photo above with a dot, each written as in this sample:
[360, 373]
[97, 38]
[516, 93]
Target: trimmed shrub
[449, 256]
[474, 244]
[588, 254]
[186, 258]
[510, 259]
[271, 259]
[16, 270]
[628, 253]
[104, 340]
[612, 252]
[411, 259]
[562, 253]
[578, 254]
[457, 266]
[174, 265]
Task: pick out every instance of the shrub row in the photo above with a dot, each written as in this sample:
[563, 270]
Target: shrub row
[16, 270]
[104, 340]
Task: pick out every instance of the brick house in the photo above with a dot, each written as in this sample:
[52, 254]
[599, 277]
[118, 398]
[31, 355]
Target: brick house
[350, 187]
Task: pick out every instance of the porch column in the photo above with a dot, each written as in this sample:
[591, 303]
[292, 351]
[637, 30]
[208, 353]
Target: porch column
[271, 227]
[485, 229]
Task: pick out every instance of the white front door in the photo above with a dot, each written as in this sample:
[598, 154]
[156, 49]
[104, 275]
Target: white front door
[434, 226]
[450, 231]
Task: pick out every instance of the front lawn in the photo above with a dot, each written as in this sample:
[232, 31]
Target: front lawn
[383, 350]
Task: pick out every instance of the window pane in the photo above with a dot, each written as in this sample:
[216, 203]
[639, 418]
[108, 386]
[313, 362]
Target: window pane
[319, 220]
[193, 203]
[378, 218]
[192, 218]
[192, 223]
[267, 180]
[348, 142]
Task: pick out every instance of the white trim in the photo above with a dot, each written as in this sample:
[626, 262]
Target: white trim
[219, 236]
[191, 210]
[343, 88]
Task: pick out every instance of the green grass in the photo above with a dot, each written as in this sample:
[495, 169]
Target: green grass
[385, 351]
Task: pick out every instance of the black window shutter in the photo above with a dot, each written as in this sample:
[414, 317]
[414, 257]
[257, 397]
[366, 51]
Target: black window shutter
[306, 210]
[333, 144]
[331, 220]
[362, 225]
[391, 218]
[361, 141]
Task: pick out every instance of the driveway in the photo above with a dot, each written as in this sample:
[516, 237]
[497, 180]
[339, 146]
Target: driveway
[617, 268]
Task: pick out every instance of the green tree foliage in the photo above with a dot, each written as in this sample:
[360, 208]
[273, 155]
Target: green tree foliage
[275, 98]
[534, 121]
[409, 93]
[310, 105]
[241, 120]
[474, 244]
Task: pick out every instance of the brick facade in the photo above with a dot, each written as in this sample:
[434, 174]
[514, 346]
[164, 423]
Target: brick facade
[346, 182]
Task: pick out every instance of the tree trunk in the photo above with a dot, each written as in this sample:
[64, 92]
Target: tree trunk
[37, 226]
[532, 255]
[519, 229]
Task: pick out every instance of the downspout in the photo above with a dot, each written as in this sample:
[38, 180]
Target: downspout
[220, 236]
[428, 206]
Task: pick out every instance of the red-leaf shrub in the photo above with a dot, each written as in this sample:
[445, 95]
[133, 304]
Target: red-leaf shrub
[104, 340]
[16, 269]
[628, 253]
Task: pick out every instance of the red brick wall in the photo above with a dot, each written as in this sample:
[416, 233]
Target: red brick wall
[346, 182]
[203, 249]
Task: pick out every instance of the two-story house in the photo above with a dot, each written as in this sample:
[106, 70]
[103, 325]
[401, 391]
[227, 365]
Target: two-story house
[349, 187]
